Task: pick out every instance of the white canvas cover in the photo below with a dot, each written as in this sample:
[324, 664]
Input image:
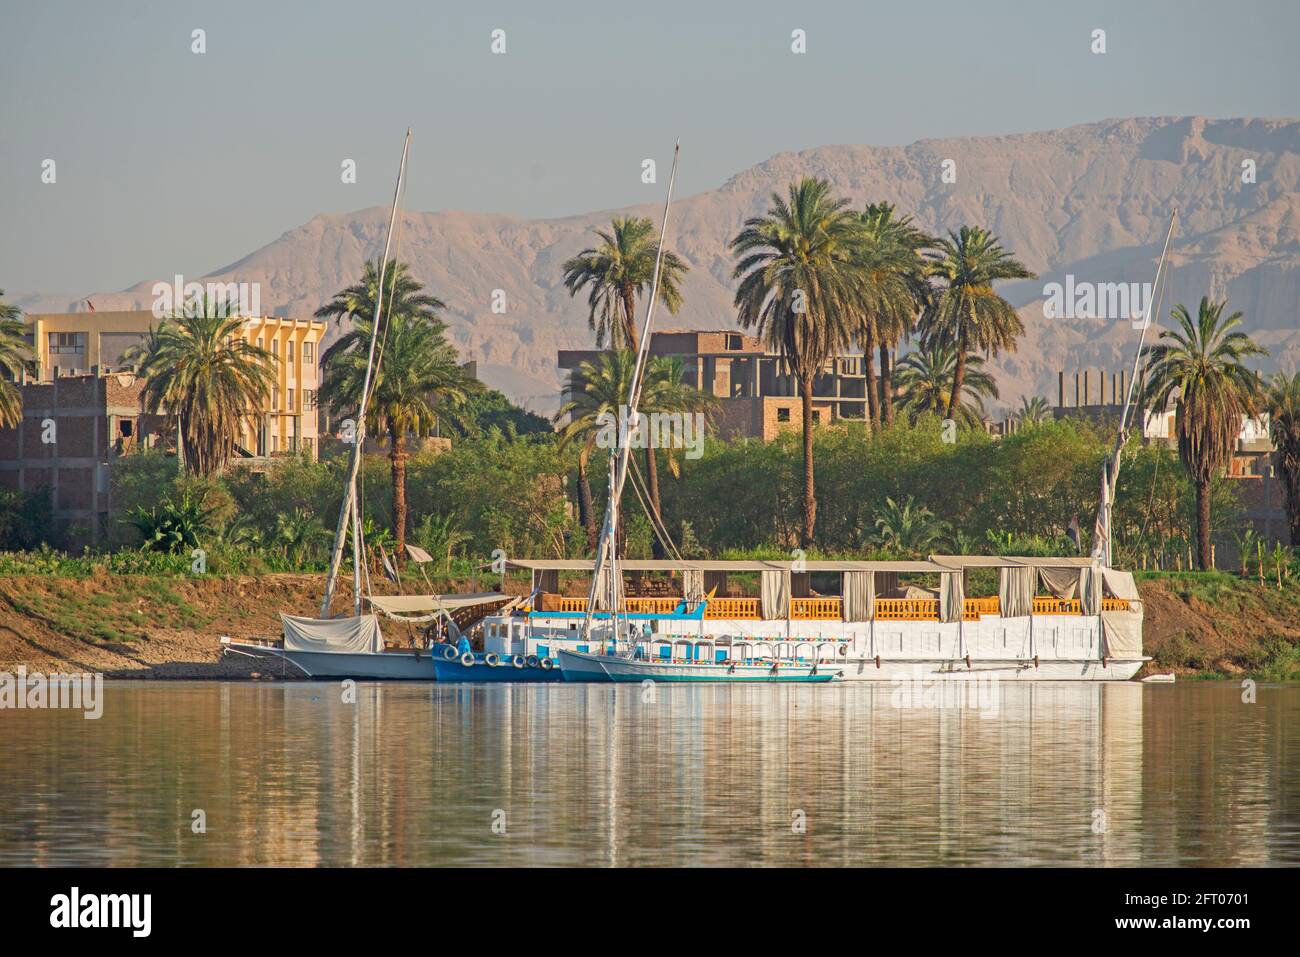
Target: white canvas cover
[952, 596]
[1016, 591]
[343, 636]
[1123, 632]
[1120, 584]
[1123, 629]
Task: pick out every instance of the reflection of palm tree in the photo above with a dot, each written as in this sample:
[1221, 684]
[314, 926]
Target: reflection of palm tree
[799, 285]
[908, 529]
[1282, 402]
[14, 356]
[925, 378]
[1201, 361]
[198, 366]
[966, 312]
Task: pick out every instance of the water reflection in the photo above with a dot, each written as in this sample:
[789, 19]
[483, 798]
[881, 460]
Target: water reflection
[292, 774]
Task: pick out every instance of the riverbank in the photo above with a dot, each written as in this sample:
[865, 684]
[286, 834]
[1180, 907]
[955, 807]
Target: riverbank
[141, 626]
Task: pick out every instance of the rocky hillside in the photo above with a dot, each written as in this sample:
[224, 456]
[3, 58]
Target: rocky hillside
[1091, 201]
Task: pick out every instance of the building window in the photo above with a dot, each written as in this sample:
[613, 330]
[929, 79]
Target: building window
[290, 405]
[308, 353]
[734, 342]
[275, 348]
[67, 343]
[783, 415]
[288, 350]
[308, 400]
[275, 398]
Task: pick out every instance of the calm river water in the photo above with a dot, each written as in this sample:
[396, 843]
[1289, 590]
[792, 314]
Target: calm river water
[291, 774]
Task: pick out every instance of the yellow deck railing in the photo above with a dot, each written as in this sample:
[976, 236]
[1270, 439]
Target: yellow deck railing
[831, 609]
[734, 608]
[816, 609]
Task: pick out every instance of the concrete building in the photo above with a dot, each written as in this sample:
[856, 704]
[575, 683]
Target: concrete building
[1099, 395]
[80, 343]
[757, 394]
[73, 429]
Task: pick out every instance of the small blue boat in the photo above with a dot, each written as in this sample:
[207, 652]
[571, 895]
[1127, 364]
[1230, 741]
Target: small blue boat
[450, 666]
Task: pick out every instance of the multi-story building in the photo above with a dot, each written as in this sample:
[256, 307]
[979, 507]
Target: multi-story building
[73, 428]
[758, 395]
[95, 343]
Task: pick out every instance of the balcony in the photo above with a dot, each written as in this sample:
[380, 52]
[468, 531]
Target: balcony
[831, 609]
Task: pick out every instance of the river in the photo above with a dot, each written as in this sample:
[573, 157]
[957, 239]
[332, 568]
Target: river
[243, 773]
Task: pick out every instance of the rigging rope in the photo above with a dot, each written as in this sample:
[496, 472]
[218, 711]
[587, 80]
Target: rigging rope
[656, 522]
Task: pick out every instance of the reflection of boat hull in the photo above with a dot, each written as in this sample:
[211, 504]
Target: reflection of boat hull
[578, 666]
[453, 670]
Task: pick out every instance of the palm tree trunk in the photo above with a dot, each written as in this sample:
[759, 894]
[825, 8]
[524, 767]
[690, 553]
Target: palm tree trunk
[652, 480]
[886, 385]
[869, 373]
[397, 460]
[1289, 473]
[809, 490]
[958, 376]
[629, 320]
[1203, 524]
[585, 515]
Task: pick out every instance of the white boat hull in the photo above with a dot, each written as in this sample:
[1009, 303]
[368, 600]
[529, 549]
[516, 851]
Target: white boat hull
[866, 669]
[578, 666]
[388, 665]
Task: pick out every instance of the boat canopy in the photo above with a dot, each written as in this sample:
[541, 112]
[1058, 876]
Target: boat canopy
[421, 604]
[719, 565]
[354, 635]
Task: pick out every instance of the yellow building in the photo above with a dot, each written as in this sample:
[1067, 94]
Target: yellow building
[94, 342]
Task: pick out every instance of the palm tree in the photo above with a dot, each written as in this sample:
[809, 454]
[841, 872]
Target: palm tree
[298, 532]
[966, 311]
[419, 382]
[403, 296]
[14, 356]
[201, 370]
[906, 291]
[925, 377]
[618, 272]
[799, 285]
[908, 529]
[1201, 361]
[1033, 411]
[598, 390]
[1282, 403]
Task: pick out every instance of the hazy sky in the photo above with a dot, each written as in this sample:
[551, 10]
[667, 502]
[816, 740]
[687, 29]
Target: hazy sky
[169, 161]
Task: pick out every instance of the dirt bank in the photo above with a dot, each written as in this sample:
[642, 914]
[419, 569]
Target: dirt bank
[143, 627]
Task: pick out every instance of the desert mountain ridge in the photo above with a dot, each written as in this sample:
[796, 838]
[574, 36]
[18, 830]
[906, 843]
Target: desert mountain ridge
[1089, 202]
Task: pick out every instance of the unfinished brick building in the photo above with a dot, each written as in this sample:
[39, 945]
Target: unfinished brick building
[73, 428]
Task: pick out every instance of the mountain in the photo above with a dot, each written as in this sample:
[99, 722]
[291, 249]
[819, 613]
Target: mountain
[1089, 202]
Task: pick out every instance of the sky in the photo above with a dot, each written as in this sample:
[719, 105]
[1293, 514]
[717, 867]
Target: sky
[170, 161]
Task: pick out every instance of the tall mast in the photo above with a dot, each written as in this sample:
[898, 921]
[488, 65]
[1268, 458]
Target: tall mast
[1101, 546]
[606, 561]
[351, 507]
